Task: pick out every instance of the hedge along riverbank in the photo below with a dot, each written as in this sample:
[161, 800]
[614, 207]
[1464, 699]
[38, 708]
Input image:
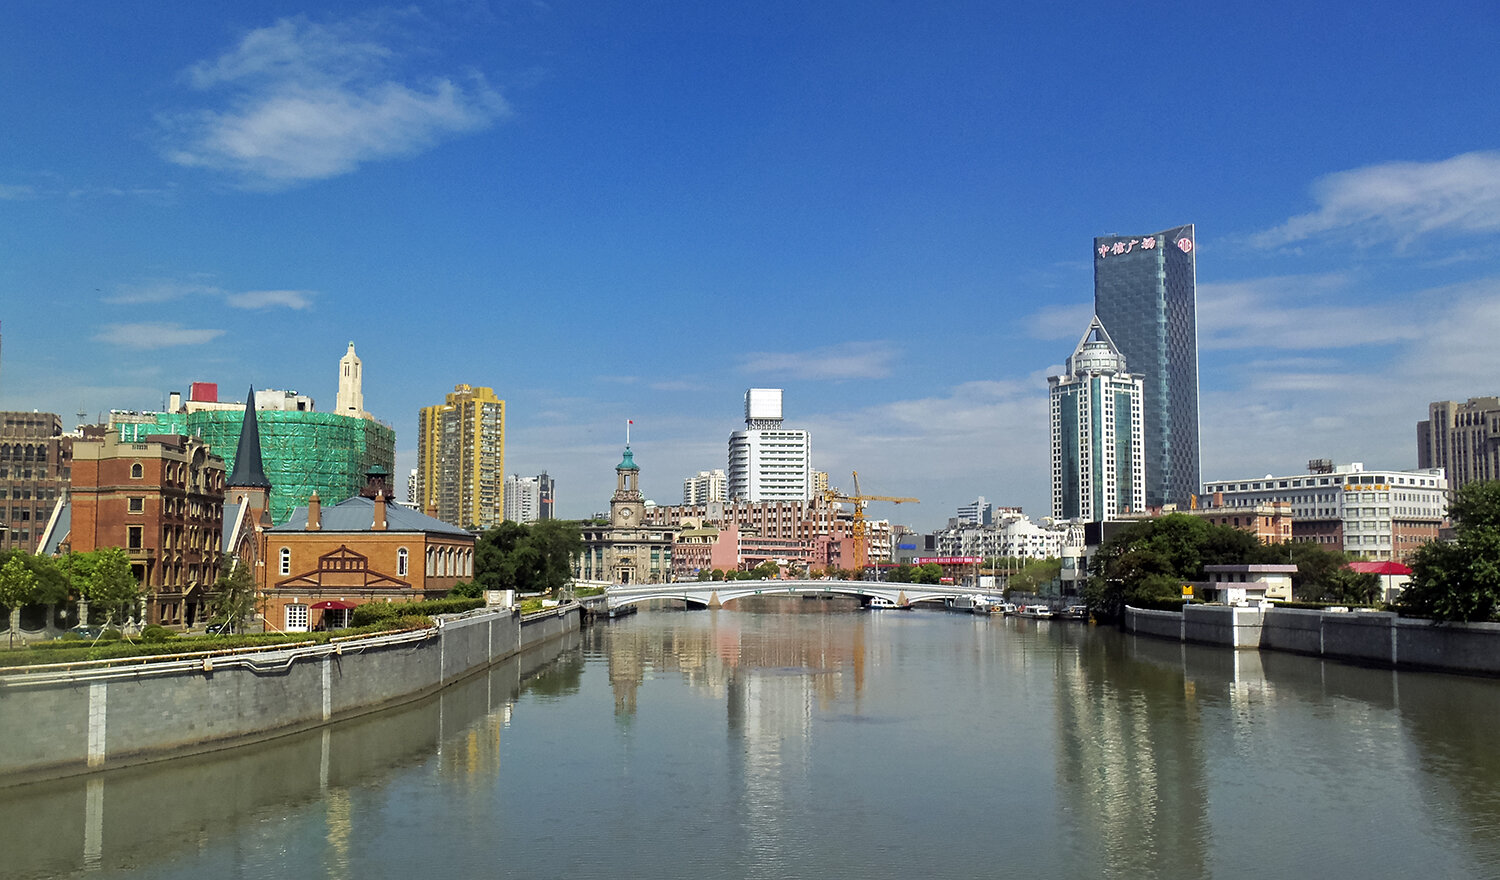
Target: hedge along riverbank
[77, 650]
[376, 612]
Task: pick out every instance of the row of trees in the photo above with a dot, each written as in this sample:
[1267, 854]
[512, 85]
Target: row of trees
[1146, 564]
[1457, 580]
[101, 577]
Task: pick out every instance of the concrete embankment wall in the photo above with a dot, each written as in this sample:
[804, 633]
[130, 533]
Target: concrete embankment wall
[1368, 637]
[60, 722]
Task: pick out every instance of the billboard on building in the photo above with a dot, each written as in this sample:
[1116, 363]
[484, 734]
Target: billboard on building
[763, 403]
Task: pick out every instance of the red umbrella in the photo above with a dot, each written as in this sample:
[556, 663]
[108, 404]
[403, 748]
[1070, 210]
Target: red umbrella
[333, 603]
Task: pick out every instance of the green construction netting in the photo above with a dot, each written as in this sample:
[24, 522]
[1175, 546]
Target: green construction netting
[300, 451]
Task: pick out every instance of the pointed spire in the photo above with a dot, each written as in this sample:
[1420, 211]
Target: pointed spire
[1096, 352]
[248, 470]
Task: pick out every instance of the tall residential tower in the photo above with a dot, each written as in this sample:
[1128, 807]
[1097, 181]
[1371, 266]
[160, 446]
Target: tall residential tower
[1145, 293]
[1461, 438]
[768, 462]
[461, 458]
[1097, 467]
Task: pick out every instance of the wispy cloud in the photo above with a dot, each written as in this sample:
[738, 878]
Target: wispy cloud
[1061, 322]
[160, 292]
[849, 360]
[265, 299]
[12, 192]
[1270, 414]
[149, 336]
[1295, 312]
[1400, 202]
[154, 292]
[307, 101]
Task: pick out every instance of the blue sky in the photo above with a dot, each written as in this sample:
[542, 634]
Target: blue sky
[636, 211]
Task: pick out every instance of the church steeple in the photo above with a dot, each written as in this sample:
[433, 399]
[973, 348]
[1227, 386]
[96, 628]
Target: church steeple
[249, 472]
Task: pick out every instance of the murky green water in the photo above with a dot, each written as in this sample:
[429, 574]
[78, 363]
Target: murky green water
[807, 743]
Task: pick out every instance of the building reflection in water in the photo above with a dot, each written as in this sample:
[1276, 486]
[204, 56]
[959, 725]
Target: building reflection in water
[771, 676]
[1130, 762]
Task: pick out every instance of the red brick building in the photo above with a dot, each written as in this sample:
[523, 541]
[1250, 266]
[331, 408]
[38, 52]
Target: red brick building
[324, 562]
[162, 500]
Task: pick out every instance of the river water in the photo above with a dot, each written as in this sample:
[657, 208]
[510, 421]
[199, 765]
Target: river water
[805, 740]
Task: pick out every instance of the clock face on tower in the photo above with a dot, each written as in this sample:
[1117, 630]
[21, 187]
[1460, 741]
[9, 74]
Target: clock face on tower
[626, 513]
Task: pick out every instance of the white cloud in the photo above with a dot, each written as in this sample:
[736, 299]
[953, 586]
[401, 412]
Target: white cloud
[1270, 414]
[849, 360]
[160, 291]
[154, 335]
[265, 299]
[1400, 201]
[155, 292]
[11, 192]
[1294, 312]
[308, 101]
[1061, 322]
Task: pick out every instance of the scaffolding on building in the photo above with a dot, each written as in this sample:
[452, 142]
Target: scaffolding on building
[301, 451]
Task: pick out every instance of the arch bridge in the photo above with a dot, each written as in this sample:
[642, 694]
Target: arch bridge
[712, 594]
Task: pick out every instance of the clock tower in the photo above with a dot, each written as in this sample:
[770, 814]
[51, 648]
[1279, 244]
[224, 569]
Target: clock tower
[625, 504]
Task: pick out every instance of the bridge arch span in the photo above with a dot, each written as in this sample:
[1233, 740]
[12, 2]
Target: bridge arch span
[707, 594]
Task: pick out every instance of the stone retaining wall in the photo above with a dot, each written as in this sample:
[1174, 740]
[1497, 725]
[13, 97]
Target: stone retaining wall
[1366, 637]
[60, 722]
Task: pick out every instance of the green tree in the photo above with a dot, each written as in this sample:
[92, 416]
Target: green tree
[1034, 575]
[1147, 562]
[557, 541]
[466, 590]
[765, 571]
[1461, 580]
[234, 596]
[1350, 587]
[530, 558]
[927, 573]
[110, 583]
[52, 586]
[18, 586]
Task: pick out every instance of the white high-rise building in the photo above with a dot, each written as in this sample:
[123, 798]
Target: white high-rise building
[528, 499]
[978, 512]
[1098, 469]
[705, 486]
[768, 462]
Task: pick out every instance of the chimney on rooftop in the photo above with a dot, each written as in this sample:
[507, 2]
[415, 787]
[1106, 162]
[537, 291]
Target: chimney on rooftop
[314, 512]
[379, 524]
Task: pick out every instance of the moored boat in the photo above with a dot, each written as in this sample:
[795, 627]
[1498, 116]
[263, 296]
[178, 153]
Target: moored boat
[1036, 612]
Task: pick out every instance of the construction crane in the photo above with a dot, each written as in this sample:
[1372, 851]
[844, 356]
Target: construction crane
[859, 500]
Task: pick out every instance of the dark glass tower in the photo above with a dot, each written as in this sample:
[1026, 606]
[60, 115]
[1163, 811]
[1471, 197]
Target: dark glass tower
[1145, 293]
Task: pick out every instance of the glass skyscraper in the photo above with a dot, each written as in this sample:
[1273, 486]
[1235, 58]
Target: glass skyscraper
[1145, 293]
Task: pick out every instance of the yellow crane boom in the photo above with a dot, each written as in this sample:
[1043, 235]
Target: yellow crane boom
[859, 499]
